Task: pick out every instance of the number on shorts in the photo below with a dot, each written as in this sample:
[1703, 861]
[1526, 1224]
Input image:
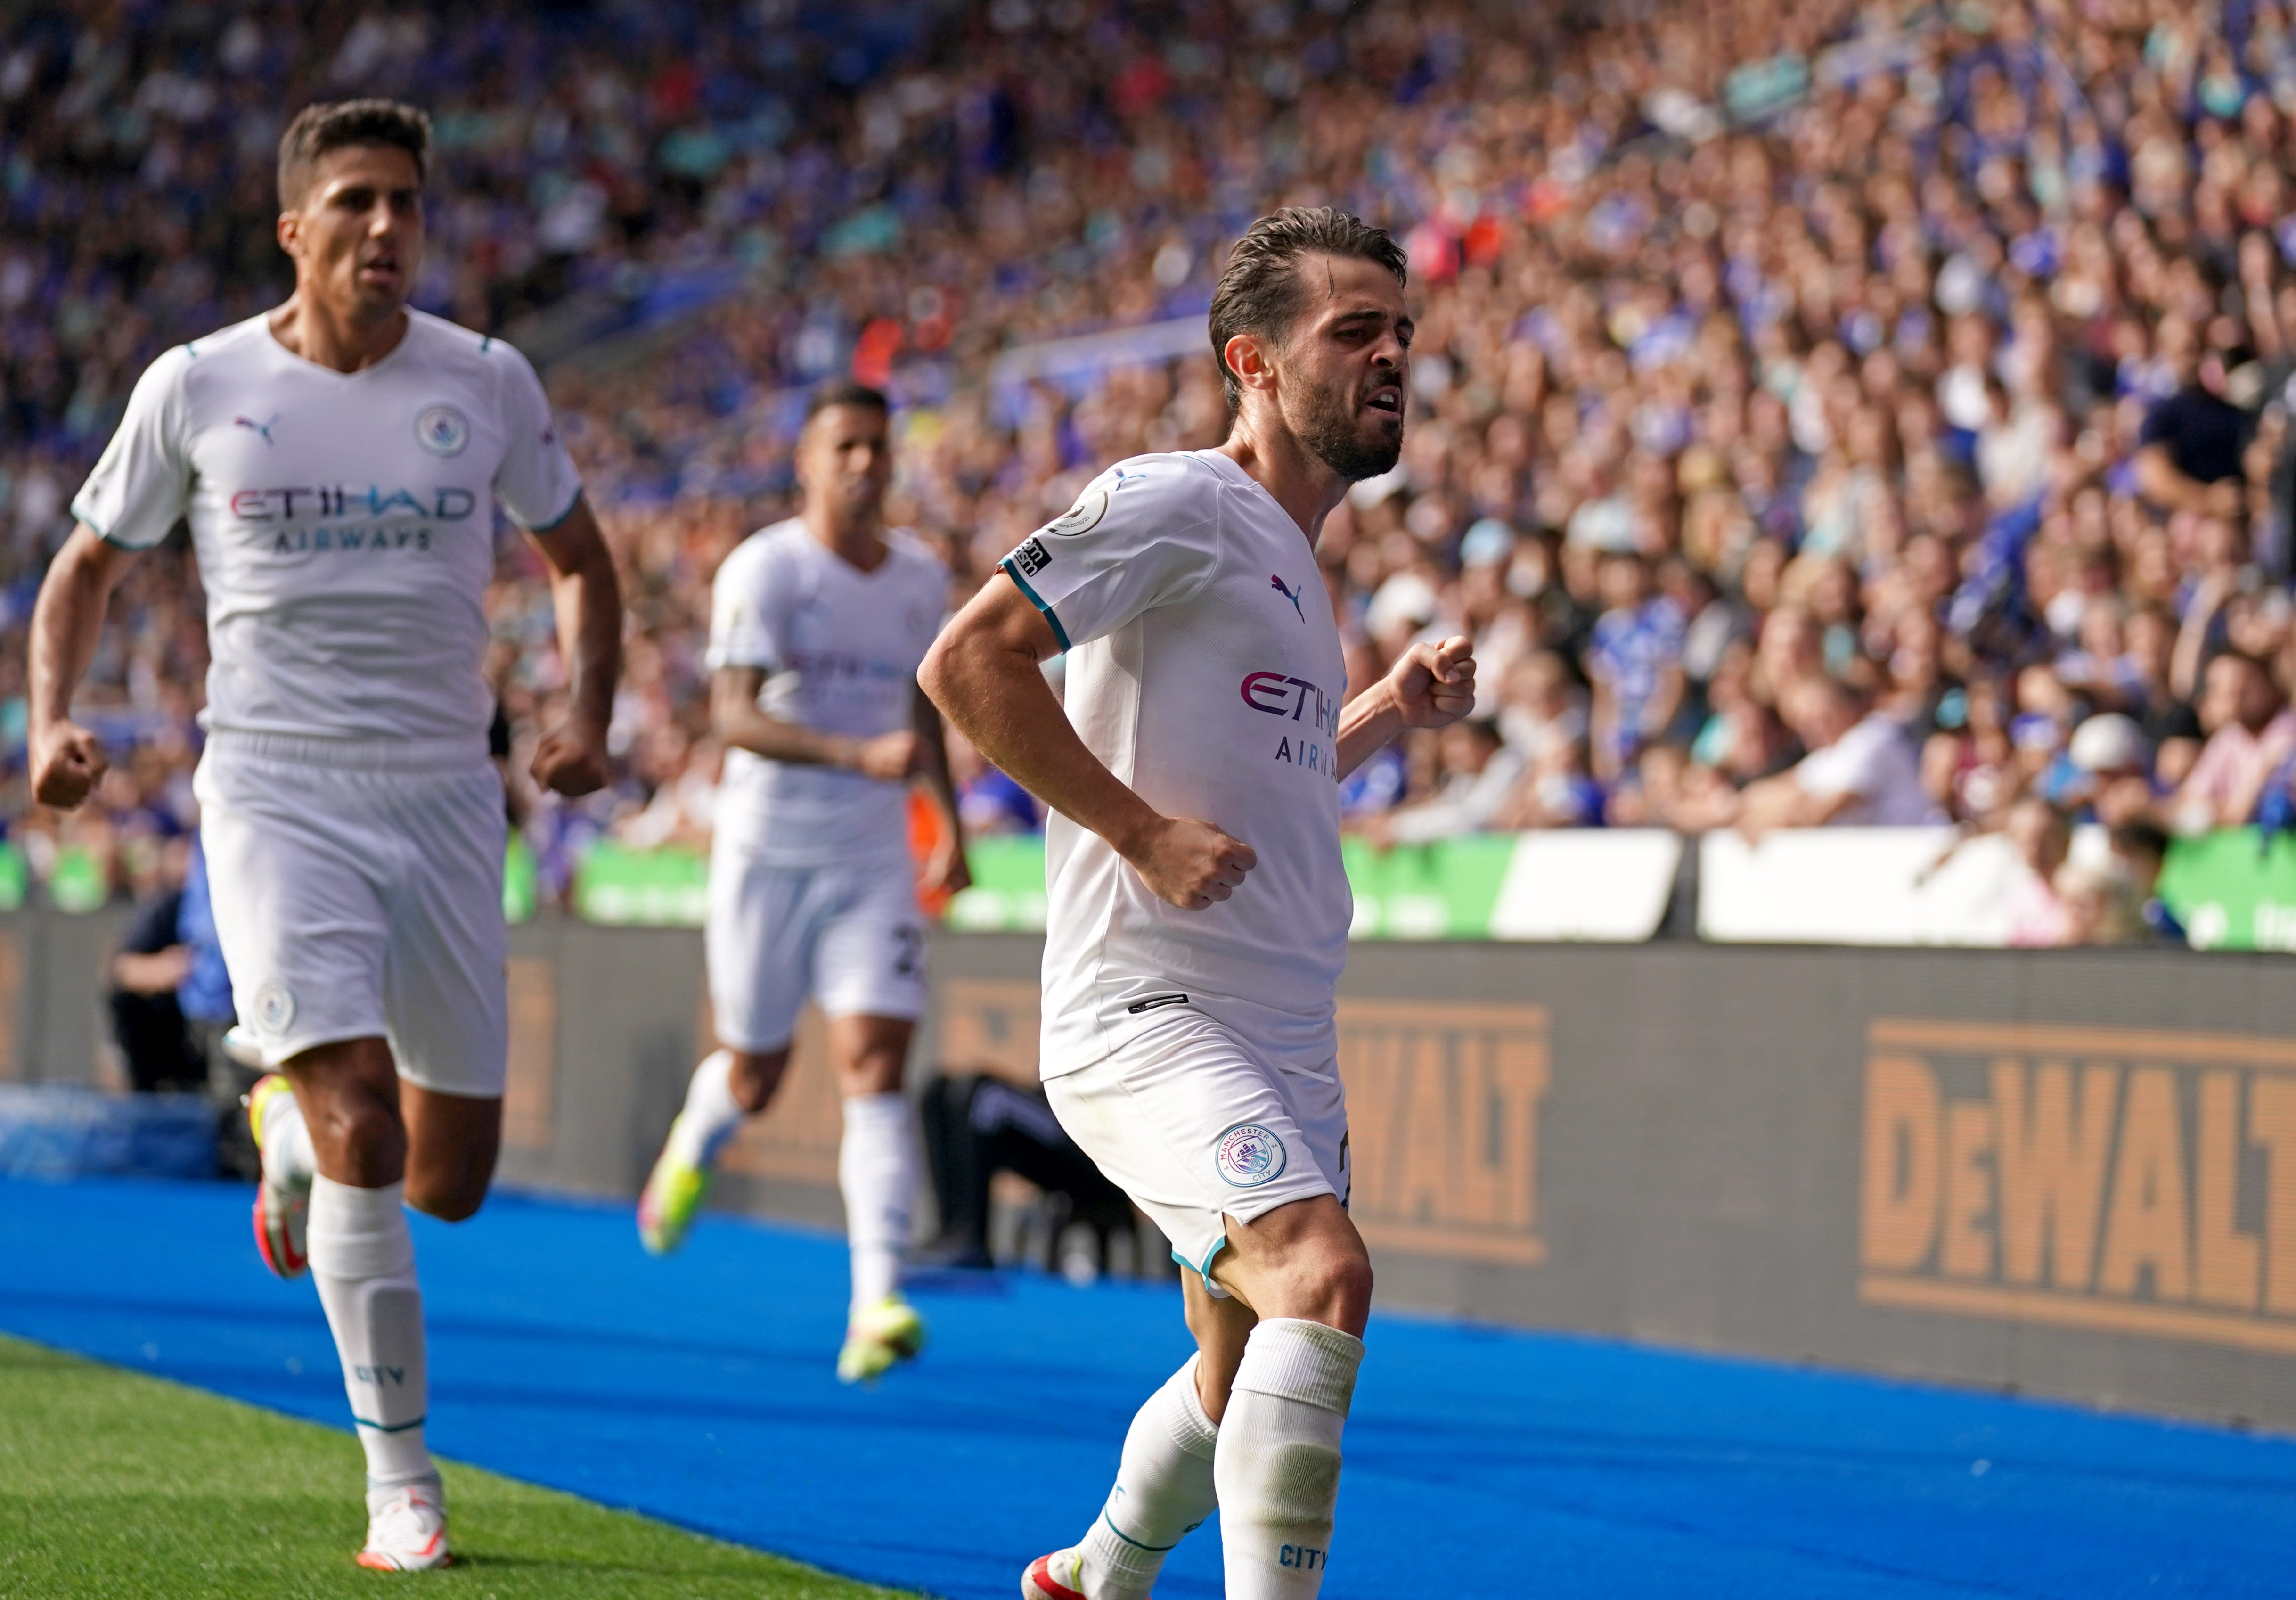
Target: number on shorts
[910, 957]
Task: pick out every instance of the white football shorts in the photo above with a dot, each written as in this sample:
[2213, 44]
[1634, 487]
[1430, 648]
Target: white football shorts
[355, 899]
[1197, 1127]
[850, 936]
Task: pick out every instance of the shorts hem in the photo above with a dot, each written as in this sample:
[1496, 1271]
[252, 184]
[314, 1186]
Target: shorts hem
[728, 1041]
[899, 1012]
[275, 1057]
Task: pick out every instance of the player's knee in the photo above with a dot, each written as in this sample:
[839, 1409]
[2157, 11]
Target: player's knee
[449, 1200]
[363, 1125]
[1331, 1280]
[755, 1076]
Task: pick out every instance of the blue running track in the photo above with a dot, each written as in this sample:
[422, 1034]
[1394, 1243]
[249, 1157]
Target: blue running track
[1480, 1463]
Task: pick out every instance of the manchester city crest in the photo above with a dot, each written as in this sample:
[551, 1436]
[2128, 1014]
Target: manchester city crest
[274, 1008]
[442, 429]
[1251, 1155]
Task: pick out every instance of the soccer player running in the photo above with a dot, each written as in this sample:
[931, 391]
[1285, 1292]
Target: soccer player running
[1199, 909]
[817, 626]
[339, 460]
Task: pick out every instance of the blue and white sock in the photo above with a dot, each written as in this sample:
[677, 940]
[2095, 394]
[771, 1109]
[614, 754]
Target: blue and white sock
[363, 1261]
[1163, 1492]
[1277, 1467]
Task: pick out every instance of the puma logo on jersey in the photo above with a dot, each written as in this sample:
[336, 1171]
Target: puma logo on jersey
[263, 427]
[1291, 594]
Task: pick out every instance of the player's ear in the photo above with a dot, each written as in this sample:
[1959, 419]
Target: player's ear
[1247, 358]
[290, 230]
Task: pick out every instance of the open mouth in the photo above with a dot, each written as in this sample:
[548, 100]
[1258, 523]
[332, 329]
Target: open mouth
[1390, 400]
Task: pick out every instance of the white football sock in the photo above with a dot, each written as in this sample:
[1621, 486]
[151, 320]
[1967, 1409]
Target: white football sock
[1163, 1492]
[877, 1169]
[363, 1261]
[1277, 1465]
[288, 1158]
[711, 1114]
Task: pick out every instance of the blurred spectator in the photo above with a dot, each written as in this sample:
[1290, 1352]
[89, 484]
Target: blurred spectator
[1478, 771]
[2252, 731]
[2140, 848]
[1636, 663]
[2100, 904]
[153, 962]
[2042, 836]
[1860, 770]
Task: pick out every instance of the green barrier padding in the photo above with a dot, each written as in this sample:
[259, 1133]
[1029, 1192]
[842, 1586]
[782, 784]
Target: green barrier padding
[1443, 891]
[15, 878]
[1446, 889]
[1008, 885]
[521, 885]
[2233, 890]
[663, 889]
[77, 885]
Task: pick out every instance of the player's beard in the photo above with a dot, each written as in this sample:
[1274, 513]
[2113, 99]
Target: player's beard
[1328, 426]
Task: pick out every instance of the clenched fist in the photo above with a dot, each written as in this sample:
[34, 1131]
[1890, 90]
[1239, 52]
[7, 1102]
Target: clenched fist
[1190, 865]
[68, 761]
[572, 759]
[1434, 685]
[889, 758]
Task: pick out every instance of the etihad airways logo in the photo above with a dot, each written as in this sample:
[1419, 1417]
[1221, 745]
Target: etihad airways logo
[1280, 695]
[325, 502]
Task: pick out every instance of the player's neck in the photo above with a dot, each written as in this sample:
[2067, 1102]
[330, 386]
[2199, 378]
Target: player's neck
[331, 337]
[1298, 480]
[861, 544]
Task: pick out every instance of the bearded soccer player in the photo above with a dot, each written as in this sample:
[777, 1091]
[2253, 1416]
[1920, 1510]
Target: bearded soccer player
[339, 460]
[817, 626]
[1199, 910]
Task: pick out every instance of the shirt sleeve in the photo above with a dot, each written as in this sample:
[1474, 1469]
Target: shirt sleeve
[536, 482]
[745, 623]
[1143, 534]
[142, 482]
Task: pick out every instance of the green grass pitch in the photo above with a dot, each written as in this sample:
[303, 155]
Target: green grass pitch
[119, 1485]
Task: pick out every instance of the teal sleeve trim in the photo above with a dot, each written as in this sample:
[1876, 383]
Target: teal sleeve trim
[1037, 600]
[105, 534]
[387, 1427]
[559, 520]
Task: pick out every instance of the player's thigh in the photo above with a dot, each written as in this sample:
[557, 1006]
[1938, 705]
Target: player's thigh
[1192, 1124]
[445, 984]
[869, 960]
[298, 905]
[758, 935]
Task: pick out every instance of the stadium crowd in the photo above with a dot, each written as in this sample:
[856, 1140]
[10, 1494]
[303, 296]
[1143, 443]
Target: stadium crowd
[1823, 413]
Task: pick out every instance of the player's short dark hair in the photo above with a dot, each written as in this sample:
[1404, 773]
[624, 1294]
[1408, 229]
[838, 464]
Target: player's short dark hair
[1259, 289]
[333, 125]
[845, 391]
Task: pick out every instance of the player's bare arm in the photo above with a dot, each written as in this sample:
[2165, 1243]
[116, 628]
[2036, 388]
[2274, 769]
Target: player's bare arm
[68, 760]
[984, 673]
[1431, 685]
[588, 598]
[946, 873]
[735, 719]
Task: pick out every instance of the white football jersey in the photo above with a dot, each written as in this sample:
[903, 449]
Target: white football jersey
[344, 521]
[839, 649]
[1206, 672]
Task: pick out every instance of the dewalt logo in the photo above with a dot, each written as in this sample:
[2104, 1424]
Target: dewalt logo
[2126, 1181]
[1443, 1110]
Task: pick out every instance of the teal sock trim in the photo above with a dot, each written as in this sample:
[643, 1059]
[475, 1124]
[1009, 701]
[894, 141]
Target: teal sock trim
[388, 1427]
[1135, 1543]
